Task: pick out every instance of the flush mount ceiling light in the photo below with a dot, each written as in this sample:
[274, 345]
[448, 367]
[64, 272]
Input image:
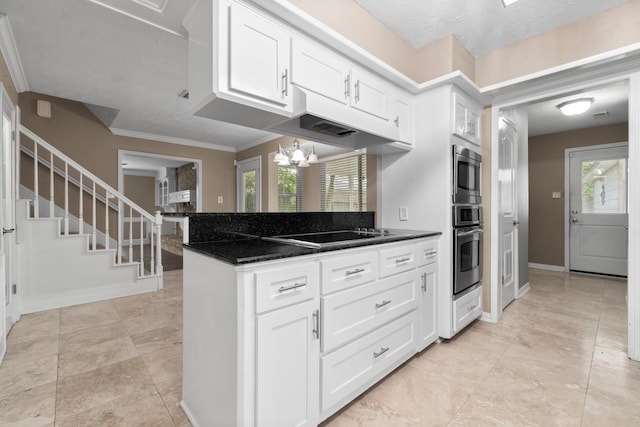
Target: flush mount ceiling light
[295, 155]
[508, 2]
[575, 107]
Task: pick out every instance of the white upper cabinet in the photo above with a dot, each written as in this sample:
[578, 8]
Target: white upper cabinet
[370, 94]
[402, 116]
[258, 56]
[465, 117]
[319, 71]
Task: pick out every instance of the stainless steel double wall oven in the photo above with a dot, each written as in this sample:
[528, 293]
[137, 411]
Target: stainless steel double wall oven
[466, 221]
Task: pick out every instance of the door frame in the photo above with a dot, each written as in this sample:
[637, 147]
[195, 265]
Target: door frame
[258, 161]
[534, 88]
[567, 251]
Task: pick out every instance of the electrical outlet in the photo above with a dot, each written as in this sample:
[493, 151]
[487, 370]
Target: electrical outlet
[556, 195]
[404, 213]
[220, 200]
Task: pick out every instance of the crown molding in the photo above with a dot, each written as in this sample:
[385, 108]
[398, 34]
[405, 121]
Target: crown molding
[11, 56]
[170, 140]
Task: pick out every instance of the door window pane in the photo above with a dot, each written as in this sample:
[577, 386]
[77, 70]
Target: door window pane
[249, 187]
[289, 189]
[604, 184]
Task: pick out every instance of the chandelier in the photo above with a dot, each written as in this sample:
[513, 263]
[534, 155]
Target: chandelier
[295, 155]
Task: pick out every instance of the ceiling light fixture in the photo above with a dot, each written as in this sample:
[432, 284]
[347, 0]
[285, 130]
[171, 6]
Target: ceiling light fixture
[575, 107]
[508, 2]
[295, 155]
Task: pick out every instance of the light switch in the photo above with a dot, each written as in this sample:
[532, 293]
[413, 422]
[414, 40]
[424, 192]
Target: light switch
[404, 213]
[220, 199]
[556, 195]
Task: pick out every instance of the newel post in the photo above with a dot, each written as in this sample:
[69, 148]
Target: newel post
[158, 234]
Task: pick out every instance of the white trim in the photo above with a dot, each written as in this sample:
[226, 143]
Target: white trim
[170, 139]
[547, 267]
[11, 56]
[486, 317]
[567, 192]
[496, 288]
[633, 273]
[258, 141]
[240, 191]
[520, 292]
[137, 18]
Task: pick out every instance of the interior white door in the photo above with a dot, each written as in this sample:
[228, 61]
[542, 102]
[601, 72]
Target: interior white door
[7, 218]
[598, 219]
[508, 208]
[249, 182]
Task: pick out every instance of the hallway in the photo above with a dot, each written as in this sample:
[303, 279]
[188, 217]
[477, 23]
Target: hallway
[557, 358]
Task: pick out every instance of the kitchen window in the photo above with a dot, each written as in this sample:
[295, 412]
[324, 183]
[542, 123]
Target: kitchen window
[343, 184]
[289, 189]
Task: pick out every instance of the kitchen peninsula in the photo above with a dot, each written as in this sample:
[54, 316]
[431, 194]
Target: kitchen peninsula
[286, 331]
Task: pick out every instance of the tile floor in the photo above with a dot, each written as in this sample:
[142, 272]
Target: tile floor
[558, 358]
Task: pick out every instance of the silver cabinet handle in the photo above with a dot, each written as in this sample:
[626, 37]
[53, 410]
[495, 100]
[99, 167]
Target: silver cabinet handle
[357, 86]
[294, 286]
[383, 303]
[397, 121]
[346, 87]
[424, 282]
[472, 307]
[430, 253]
[382, 351]
[316, 324]
[468, 233]
[401, 260]
[285, 82]
[356, 271]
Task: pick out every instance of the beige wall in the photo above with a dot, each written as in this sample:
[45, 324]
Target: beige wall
[546, 175]
[6, 80]
[75, 131]
[141, 190]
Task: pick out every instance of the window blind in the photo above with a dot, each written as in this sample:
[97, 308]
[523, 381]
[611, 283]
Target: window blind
[343, 184]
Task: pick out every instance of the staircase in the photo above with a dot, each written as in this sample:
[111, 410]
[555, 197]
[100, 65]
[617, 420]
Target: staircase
[79, 240]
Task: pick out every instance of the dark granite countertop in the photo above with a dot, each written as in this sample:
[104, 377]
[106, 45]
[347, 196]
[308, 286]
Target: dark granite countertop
[244, 249]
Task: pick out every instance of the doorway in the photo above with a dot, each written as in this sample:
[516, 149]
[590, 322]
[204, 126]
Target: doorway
[596, 239]
[249, 182]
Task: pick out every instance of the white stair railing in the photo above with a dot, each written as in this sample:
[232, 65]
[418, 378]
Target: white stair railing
[76, 181]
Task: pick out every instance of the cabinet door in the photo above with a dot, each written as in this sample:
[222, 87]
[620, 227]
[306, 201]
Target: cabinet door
[466, 118]
[401, 118]
[369, 94]
[320, 71]
[427, 302]
[287, 372]
[258, 57]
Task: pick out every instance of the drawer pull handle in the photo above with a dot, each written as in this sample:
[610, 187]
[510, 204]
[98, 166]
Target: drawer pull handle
[294, 286]
[383, 303]
[401, 260]
[424, 282]
[285, 82]
[382, 351]
[356, 271]
[472, 307]
[430, 253]
[316, 324]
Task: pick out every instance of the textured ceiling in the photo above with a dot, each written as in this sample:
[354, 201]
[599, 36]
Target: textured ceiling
[127, 59]
[480, 25]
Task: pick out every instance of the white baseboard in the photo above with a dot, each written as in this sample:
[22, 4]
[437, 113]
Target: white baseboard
[546, 267]
[66, 299]
[523, 290]
[486, 317]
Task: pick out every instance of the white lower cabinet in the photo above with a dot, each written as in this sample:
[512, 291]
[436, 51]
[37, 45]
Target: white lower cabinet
[350, 370]
[466, 309]
[289, 342]
[287, 353]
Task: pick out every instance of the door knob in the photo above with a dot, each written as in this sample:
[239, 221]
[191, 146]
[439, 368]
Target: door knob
[7, 230]
[515, 222]
[574, 220]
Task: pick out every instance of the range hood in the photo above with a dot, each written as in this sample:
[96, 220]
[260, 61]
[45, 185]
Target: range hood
[327, 127]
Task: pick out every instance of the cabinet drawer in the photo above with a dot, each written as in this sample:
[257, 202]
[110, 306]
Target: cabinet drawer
[397, 259]
[346, 272]
[284, 286]
[466, 309]
[353, 368]
[427, 252]
[354, 312]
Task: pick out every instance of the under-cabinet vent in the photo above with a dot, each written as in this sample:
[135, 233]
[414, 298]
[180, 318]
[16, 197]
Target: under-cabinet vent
[601, 115]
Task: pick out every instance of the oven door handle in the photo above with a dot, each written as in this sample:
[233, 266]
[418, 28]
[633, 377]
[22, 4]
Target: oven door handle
[470, 232]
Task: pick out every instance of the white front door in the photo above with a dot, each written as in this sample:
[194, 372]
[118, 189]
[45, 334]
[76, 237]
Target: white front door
[598, 220]
[508, 208]
[9, 302]
[249, 185]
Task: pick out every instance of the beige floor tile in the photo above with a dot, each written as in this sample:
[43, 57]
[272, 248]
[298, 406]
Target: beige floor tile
[164, 365]
[158, 339]
[613, 338]
[365, 413]
[85, 316]
[91, 336]
[84, 391]
[171, 393]
[161, 316]
[33, 407]
[90, 357]
[612, 399]
[23, 373]
[36, 347]
[142, 408]
[36, 325]
[135, 305]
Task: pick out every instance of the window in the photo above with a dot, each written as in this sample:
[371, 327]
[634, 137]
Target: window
[289, 189]
[343, 184]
